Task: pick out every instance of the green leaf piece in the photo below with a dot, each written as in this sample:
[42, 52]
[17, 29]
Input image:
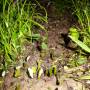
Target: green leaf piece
[81, 44]
[40, 73]
[74, 33]
[34, 69]
[85, 77]
[44, 46]
[82, 60]
[50, 71]
[34, 37]
[17, 73]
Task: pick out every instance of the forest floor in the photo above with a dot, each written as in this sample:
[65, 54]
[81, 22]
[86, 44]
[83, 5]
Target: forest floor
[57, 28]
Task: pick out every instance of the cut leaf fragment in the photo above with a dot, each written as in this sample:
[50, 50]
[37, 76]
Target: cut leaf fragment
[40, 73]
[50, 71]
[85, 77]
[30, 72]
[34, 69]
[17, 73]
[44, 46]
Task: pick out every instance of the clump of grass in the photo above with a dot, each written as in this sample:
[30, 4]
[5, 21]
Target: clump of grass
[17, 20]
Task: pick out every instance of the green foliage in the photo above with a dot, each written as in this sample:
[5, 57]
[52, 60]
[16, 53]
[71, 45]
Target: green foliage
[82, 11]
[34, 69]
[34, 37]
[17, 20]
[81, 60]
[51, 71]
[74, 33]
[81, 44]
[43, 45]
[77, 60]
